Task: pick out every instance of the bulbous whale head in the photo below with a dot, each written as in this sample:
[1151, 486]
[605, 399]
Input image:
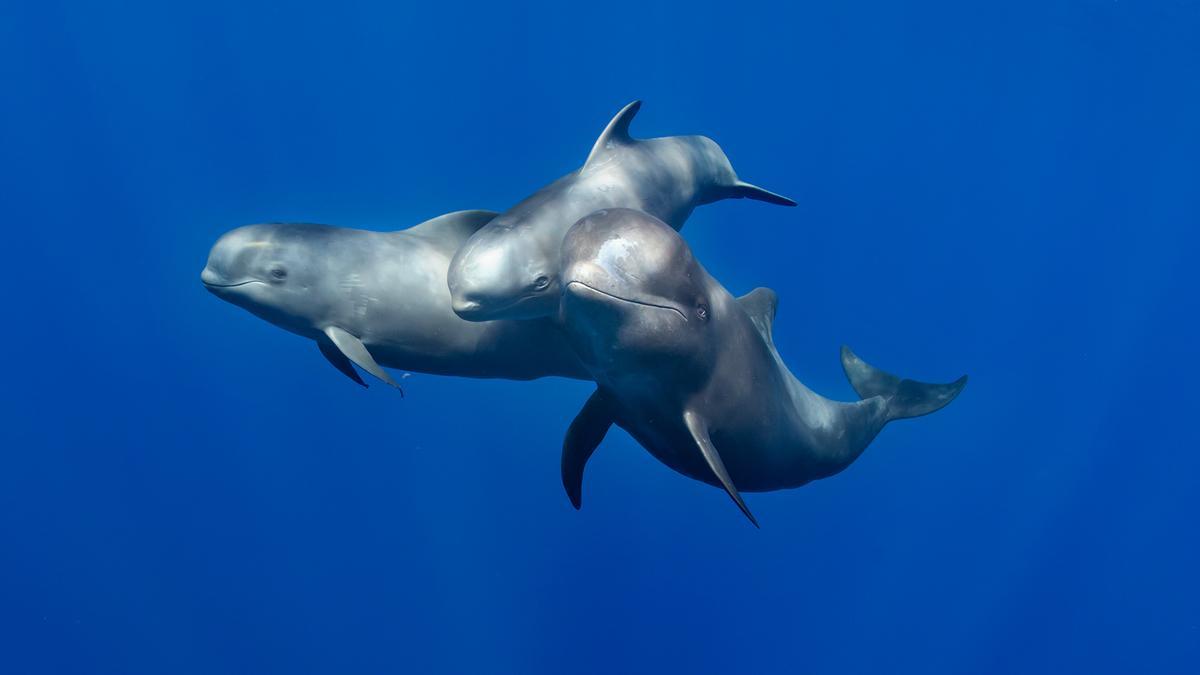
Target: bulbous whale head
[511, 269]
[504, 273]
[274, 271]
[632, 289]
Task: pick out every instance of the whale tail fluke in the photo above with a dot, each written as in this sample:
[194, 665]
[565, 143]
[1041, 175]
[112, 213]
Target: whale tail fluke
[743, 190]
[905, 398]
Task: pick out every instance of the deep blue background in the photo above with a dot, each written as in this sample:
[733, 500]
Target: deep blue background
[1010, 190]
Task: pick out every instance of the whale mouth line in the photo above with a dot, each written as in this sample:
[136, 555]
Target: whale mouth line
[476, 308]
[627, 300]
[240, 283]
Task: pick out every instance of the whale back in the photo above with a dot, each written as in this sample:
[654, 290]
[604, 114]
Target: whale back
[711, 168]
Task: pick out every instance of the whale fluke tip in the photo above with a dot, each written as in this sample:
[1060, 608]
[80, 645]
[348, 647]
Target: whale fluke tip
[905, 398]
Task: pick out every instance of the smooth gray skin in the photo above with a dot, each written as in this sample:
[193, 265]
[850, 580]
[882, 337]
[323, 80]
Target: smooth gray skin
[510, 268]
[376, 298]
[692, 373]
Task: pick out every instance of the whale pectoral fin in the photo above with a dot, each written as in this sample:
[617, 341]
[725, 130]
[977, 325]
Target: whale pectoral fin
[699, 431]
[616, 133]
[743, 190]
[353, 349]
[583, 436]
[339, 361]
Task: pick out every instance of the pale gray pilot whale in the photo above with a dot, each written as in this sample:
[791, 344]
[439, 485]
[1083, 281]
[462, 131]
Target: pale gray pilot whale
[693, 374]
[509, 269]
[379, 298]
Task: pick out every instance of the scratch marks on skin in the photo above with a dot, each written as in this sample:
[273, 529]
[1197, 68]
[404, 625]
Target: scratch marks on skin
[652, 175]
[489, 261]
[612, 253]
[611, 159]
[814, 411]
[360, 301]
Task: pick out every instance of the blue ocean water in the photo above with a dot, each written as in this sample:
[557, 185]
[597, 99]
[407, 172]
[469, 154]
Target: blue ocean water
[1008, 190]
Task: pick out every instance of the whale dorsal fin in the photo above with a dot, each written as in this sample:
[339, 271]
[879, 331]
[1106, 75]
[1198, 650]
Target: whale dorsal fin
[616, 133]
[353, 349]
[760, 304]
[698, 428]
[583, 436]
[456, 226]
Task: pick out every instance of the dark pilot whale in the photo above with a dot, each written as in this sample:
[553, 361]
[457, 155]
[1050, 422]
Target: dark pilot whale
[379, 299]
[509, 269]
[693, 375]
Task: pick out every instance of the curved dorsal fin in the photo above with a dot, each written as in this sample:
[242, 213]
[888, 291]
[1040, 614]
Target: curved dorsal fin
[760, 304]
[455, 226]
[616, 133]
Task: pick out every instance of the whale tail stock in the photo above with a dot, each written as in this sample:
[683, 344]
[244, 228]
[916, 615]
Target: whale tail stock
[905, 398]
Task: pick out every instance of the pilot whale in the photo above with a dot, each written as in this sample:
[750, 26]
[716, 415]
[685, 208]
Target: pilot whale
[379, 299]
[509, 269]
[693, 374]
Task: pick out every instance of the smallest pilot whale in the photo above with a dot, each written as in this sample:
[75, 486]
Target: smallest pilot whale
[692, 372]
[379, 298]
[509, 269]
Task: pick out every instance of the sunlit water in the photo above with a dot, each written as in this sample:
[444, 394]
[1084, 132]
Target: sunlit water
[1008, 191]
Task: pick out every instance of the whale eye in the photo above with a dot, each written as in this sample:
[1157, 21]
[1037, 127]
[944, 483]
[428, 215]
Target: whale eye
[279, 273]
[541, 283]
[702, 312]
